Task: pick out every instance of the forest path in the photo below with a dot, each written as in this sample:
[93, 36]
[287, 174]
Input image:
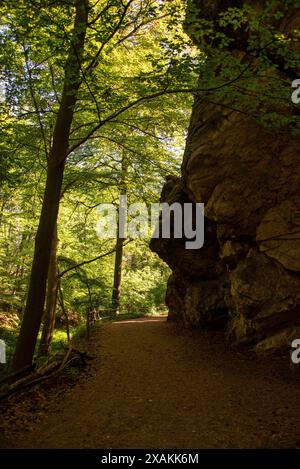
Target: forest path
[153, 385]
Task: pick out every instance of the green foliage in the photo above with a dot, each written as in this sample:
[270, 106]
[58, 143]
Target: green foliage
[250, 59]
[144, 280]
[138, 73]
[142, 52]
[10, 334]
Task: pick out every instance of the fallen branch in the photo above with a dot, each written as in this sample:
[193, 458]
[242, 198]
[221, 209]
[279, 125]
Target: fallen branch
[13, 376]
[51, 370]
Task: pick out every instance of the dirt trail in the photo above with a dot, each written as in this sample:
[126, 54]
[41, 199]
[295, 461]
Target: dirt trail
[153, 385]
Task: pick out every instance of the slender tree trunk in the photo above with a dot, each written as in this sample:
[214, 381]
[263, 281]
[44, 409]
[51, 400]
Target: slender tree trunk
[20, 266]
[51, 300]
[116, 292]
[2, 208]
[89, 310]
[38, 281]
[64, 311]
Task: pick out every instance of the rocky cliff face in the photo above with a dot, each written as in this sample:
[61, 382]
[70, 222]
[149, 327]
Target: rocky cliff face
[246, 278]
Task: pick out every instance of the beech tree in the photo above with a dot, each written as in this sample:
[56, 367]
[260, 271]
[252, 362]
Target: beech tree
[107, 25]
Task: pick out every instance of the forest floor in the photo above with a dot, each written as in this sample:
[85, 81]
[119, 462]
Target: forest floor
[154, 385]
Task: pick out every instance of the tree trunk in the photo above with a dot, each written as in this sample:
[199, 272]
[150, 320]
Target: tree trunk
[116, 292]
[38, 280]
[2, 208]
[64, 311]
[51, 300]
[89, 310]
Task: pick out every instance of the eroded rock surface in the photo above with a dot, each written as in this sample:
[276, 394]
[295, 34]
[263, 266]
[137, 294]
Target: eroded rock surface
[246, 278]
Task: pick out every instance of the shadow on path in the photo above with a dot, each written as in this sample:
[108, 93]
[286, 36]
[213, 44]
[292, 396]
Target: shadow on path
[154, 385]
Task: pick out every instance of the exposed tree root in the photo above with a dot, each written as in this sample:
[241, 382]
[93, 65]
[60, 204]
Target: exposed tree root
[73, 358]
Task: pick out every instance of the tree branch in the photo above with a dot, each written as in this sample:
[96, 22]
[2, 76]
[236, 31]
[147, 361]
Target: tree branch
[89, 261]
[150, 97]
[35, 104]
[111, 35]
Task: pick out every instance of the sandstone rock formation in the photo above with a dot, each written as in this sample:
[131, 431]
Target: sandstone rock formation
[246, 277]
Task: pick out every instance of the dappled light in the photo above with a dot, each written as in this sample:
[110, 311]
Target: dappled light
[149, 230]
[141, 320]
